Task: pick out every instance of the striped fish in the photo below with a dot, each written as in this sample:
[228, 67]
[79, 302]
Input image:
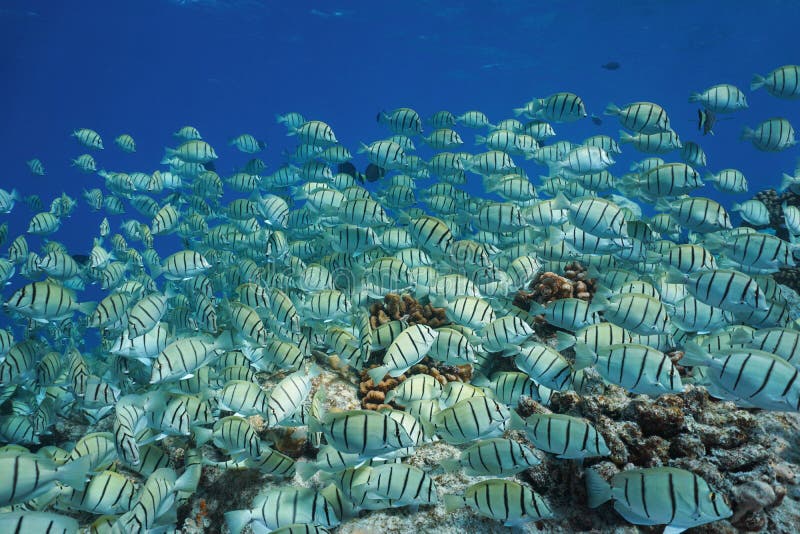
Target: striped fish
[32, 521]
[247, 143]
[473, 312]
[184, 265]
[146, 314]
[126, 143]
[728, 181]
[88, 138]
[243, 398]
[431, 234]
[698, 214]
[164, 220]
[689, 258]
[385, 154]
[721, 98]
[501, 500]
[493, 457]
[406, 350]
[654, 143]
[783, 82]
[401, 484]
[635, 312]
[415, 388]
[156, 498]
[727, 289]
[565, 436]
[247, 321]
[560, 107]
[570, 313]
[544, 365]
[182, 358]
[147, 346]
[451, 347]
[641, 117]
[108, 492]
[596, 216]
[404, 121]
[692, 315]
[637, 368]
[237, 437]
[46, 302]
[28, 476]
[659, 496]
[287, 397]
[283, 506]
[364, 432]
[471, 419]
[193, 151]
[752, 377]
[782, 342]
[772, 135]
[314, 132]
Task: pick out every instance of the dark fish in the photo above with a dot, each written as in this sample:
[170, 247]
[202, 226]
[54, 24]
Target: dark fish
[706, 121]
[81, 259]
[374, 173]
[611, 65]
[597, 120]
[33, 202]
[350, 169]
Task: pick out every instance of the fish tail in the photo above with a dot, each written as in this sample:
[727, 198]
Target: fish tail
[237, 520]
[694, 355]
[377, 374]
[757, 82]
[695, 97]
[788, 181]
[564, 340]
[584, 356]
[598, 490]
[747, 134]
[305, 469]
[611, 109]
[625, 137]
[73, 474]
[454, 502]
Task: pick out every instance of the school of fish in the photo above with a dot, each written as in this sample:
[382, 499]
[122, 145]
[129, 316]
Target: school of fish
[211, 285]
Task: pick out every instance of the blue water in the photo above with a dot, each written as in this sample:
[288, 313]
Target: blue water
[227, 67]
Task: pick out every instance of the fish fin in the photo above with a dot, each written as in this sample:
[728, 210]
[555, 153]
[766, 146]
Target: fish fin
[597, 489]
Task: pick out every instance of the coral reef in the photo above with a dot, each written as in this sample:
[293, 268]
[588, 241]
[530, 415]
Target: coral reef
[373, 395]
[549, 286]
[395, 306]
[739, 452]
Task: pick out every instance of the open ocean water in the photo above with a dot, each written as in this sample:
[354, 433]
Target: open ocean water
[147, 68]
